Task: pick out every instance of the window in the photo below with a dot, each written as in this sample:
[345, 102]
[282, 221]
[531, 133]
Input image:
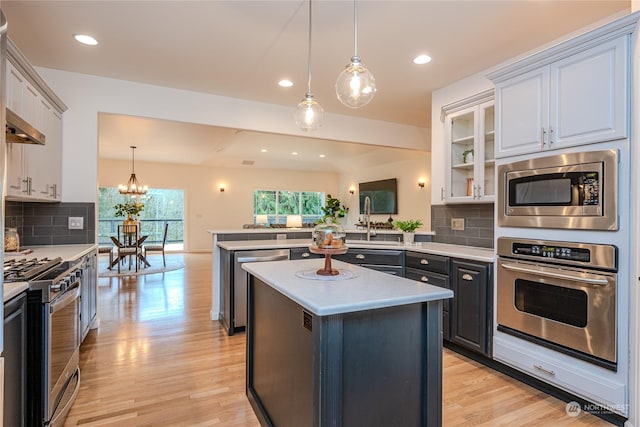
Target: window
[161, 206]
[277, 204]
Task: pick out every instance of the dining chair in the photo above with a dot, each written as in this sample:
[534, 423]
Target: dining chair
[127, 244]
[157, 248]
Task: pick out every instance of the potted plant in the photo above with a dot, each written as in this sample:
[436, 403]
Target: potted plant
[333, 209]
[467, 156]
[408, 228]
[129, 209]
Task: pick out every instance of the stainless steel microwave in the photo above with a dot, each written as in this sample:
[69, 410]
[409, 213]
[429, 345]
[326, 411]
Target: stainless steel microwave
[573, 191]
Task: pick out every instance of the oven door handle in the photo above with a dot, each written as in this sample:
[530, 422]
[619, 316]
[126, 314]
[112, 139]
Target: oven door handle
[566, 275]
[67, 298]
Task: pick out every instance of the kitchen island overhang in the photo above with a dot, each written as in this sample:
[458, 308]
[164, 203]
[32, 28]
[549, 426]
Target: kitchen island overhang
[361, 351]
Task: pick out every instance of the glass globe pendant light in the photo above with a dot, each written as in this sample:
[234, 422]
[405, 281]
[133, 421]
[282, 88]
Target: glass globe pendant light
[355, 86]
[309, 114]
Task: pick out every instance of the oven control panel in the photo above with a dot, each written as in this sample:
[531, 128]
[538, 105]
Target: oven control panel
[552, 251]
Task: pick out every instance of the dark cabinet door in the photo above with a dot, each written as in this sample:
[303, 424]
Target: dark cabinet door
[15, 364]
[303, 253]
[435, 279]
[471, 312]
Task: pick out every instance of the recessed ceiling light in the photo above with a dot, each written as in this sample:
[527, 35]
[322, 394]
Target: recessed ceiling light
[422, 59]
[285, 83]
[295, 153]
[85, 39]
[264, 150]
[321, 155]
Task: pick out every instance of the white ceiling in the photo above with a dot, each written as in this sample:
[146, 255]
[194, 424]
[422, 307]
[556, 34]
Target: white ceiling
[242, 49]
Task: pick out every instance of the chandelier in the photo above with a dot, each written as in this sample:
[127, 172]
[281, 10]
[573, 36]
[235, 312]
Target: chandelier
[133, 186]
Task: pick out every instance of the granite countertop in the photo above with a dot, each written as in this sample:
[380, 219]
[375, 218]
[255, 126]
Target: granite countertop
[444, 249]
[66, 252]
[368, 289]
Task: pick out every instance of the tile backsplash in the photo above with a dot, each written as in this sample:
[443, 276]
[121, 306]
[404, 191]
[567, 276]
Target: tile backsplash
[478, 224]
[47, 223]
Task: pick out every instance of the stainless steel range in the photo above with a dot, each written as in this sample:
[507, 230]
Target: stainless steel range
[53, 336]
[561, 295]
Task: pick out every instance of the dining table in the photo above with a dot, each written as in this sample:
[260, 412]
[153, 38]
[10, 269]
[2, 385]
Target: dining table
[130, 240]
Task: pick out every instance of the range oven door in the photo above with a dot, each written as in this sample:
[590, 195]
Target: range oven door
[64, 340]
[568, 309]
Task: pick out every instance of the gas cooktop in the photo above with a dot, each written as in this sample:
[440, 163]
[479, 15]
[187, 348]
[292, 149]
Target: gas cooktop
[24, 269]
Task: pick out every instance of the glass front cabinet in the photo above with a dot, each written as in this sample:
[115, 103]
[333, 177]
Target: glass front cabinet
[469, 133]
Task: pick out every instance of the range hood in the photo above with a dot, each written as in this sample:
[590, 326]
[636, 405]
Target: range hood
[21, 132]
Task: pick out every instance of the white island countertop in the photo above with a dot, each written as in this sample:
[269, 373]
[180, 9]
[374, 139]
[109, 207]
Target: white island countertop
[368, 289]
[444, 249]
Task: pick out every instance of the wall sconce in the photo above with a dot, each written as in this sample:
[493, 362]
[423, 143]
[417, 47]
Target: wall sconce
[222, 187]
[421, 182]
[352, 190]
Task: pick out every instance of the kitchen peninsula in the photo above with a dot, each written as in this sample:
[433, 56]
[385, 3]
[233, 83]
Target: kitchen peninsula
[365, 349]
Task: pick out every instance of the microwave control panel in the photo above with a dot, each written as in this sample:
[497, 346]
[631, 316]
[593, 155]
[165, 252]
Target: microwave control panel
[591, 189]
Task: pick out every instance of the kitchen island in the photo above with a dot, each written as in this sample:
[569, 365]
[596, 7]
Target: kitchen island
[365, 349]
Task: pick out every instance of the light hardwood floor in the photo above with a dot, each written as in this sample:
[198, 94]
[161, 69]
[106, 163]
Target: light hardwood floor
[158, 360]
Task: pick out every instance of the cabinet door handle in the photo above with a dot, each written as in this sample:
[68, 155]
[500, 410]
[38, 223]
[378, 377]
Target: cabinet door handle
[442, 193]
[542, 134]
[305, 255]
[360, 256]
[467, 277]
[424, 279]
[546, 371]
[424, 261]
[550, 136]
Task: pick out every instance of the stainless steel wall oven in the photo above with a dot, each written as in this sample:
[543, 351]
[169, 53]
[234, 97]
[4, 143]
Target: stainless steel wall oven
[574, 190]
[561, 295]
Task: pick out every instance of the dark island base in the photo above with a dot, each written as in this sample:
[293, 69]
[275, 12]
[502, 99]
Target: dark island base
[372, 368]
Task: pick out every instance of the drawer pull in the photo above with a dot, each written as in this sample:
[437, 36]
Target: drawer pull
[424, 261]
[360, 256]
[546, 371]
[305, 255]
[467, 277]
[424, 279]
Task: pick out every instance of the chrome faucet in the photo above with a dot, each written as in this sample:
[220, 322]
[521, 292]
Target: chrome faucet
[367, 217]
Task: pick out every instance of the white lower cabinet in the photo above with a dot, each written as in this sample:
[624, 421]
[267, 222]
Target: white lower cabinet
[594, 384]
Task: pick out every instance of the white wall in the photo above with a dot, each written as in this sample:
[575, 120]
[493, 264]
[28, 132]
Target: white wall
[206, 208]
[413, 201]
[87, 95]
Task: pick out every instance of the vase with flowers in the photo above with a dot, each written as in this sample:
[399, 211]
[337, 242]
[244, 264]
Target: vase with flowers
[129, 209]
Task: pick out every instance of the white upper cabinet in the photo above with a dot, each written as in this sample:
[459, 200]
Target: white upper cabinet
[572, 94]
[34, 172]
[470, 169]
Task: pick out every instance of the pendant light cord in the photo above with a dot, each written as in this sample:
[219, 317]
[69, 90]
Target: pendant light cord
[309, 56]
[355, 28]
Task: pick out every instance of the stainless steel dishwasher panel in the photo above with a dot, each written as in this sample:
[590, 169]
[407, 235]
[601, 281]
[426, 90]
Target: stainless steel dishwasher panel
[241, 278]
